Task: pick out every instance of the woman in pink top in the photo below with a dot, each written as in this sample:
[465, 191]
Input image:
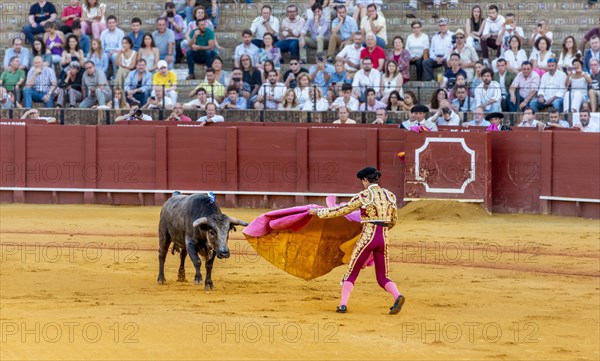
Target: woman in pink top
[401, 57]
[94, 21]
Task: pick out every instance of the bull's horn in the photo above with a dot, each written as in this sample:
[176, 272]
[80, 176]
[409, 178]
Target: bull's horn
[200, 221]
[235, 221]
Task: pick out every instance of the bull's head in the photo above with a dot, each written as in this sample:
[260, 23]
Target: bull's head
[216, 230]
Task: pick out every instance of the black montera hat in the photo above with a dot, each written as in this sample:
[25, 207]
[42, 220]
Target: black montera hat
[419, 108]
[494, 115]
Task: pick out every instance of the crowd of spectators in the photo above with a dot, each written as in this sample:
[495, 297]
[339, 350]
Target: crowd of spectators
[84, 58]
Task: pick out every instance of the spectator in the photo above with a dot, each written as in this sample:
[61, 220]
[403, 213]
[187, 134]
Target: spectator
[125, 61]
[461, 79]
[136, 34]
[371, 104]
[527, 82]
[290, 77]
[266, 23]
[507, 31]
[350, 54]
[269, 52]
[235, 79]
[417, 119]
[445, 116]
[69, 14]
[552, 88]
[474, 28]
[317, 102]
[515, 56]
[585, 124]
[158, 100]
[391, 80]
[201, 101]
[441, 44]
[7, 100]
[478, 120]
[468, 55]
[343, 116]
[35, 114]
[118, 100]
[12, 79]
[594, 92]
[365, 78]
[528, 120]
[84, 40]
[491, 29]
[336, 80]
[54, 41]
[488, 94]
[540, 30]
[95, 86]
[234, 100]
[202, 49]
[326, 9]
[462, 102]
[289, 101]
[449, 78]
[318, 28]
[212, 11]
[505, 78]
[246, 47]
[588, 36]
[94, 21]
[374, 23]
[211, 116]
[40, 14]
[303, 90]
[476, 80]
[213, 87]
[268, 66]
[72, 53]
[176, 24]
[345, 100]
[439, 99]
[410, 100]
[200, 14]
[577, 81]
[111, 39]
[342, 29]
[138, 84]
[167, 79]
[394, 102]
[321, 72]
[177, 115]
[271, 93]
[165, 42]
[540, 58]
[220, 75]
[40, 84]
[98, 56]
[17, 50]
[290, 32]
[592, 53]
[149, 52]
[134, 114]
[69, 89]
[417, 45]
[567, 55]
[401, 57]
[554, 120]
[380, 117]
[374, 52]
[250, 76]
[360, 8]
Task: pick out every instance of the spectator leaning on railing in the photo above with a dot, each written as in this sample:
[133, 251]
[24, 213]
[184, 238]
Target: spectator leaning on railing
[211, 116]
[343, 116]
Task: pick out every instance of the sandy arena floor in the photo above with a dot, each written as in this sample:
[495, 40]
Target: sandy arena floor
[79, 282]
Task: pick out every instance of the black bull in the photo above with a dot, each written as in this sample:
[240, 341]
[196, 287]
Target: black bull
[196, 226]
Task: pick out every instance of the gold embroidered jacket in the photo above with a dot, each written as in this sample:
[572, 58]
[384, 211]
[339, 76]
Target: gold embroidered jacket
[377, 205]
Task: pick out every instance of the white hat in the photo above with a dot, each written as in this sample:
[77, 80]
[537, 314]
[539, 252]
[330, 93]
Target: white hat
[162, 63]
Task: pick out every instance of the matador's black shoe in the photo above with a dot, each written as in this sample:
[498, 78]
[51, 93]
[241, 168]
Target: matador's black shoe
[397, 305]
[341, 309]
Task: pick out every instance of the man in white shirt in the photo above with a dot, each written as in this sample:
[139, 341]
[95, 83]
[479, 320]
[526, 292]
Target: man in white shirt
[374, 23]
[159, 100]
[552, 88]
[492, 26]
[211, 115]
[529, 120]
[346, 100]
[488, 95]
[271, 93]
[290, 32]
[365, 78]
[350, 54]
[441, 44]
[246, 47]
[111, 39]
[585, 123]
[478, 120]
[265, 23]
